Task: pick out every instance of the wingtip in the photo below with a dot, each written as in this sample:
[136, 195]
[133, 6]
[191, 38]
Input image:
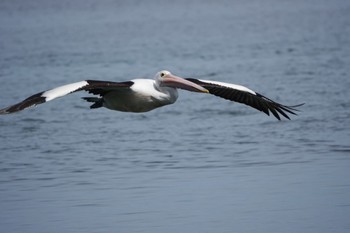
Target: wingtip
[5, 111]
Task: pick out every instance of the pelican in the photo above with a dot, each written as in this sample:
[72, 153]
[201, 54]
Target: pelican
[142, 95]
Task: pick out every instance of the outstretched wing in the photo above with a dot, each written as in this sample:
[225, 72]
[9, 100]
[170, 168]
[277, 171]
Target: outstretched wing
[92, 86]
[246, 96]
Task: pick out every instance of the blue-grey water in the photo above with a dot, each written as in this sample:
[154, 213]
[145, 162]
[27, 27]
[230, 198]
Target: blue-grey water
[203, 164]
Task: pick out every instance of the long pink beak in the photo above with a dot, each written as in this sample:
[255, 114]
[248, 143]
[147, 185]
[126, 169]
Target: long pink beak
[175, 81]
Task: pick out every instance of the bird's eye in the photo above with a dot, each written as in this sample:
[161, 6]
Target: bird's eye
[162, 74]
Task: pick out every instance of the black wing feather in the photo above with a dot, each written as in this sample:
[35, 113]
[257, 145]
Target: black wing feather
[256, 101]
[101, 88]
[29, 102]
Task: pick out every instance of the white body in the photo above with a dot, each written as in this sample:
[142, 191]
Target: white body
[143, 96]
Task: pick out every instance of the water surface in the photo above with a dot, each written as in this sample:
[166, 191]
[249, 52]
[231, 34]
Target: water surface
[201, 165]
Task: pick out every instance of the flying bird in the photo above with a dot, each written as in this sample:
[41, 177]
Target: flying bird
[142, 95]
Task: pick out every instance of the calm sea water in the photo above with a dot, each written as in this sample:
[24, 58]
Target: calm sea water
[201, 165]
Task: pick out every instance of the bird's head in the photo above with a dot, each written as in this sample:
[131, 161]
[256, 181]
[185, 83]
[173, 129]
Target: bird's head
[165, 79]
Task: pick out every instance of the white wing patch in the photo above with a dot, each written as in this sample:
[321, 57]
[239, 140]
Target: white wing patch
[230, 85]
[63, 90]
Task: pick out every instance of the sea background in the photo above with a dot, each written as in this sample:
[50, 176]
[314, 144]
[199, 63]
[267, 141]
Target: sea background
[203, 164]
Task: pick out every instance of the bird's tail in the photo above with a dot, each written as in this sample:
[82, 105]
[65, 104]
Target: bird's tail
[98, 102]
